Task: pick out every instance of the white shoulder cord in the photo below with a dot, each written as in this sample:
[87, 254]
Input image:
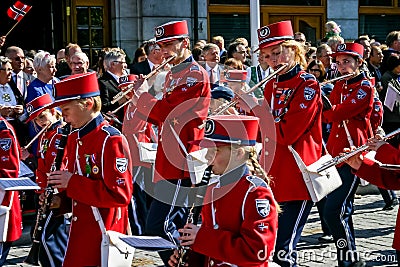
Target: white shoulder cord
[351, 143]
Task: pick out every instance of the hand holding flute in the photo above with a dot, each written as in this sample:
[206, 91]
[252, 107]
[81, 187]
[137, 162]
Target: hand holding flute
[352, 156]
[141, 81]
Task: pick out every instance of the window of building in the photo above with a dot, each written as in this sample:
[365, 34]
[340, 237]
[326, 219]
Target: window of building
[376, 3]
[378, 26]
[239, 26]
[89, 22]
[292, 2]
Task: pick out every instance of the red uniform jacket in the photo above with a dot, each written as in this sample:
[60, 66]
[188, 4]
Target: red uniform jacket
[135, 126]
[351, 102]
[296, 108]
[383, 178]
[102, 154]
[48, 143]
[246, 222]
[185, 107]
[9, 168]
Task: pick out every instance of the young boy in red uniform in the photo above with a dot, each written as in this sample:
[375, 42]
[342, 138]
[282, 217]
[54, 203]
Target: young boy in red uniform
[55, 230]
[240, 215]
[99, 170]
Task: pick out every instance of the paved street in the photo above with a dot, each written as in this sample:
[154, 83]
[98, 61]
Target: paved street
[374, 232]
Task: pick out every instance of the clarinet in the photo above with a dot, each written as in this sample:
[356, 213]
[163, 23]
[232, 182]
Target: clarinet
[41, 216]
[194, 212]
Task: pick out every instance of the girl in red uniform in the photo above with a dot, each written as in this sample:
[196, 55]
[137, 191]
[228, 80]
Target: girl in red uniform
[350, 113]
[294, 100]
[239, 217]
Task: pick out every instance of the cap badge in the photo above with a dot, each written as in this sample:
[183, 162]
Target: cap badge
[341, 47]
[159, 31]
[210, 127]
[264, 32]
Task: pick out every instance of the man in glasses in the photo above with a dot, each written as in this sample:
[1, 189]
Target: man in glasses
[20, 79]
[115, 65]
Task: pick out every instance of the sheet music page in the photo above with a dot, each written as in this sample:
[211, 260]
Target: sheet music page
[22, 183]
[392, 95]
[152, 243]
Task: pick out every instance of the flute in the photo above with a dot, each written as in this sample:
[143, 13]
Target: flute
[232, 103]
[37, 136]
[121, 94]
[338, 78]
[340, 159]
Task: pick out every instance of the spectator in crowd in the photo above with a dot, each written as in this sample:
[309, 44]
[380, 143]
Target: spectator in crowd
[79, 63]
[374, 62]
[154, 58]
[393, 47]
[140, 55]
[211, 64]
[20, 79]
[219, 40]
[233, 64]
[317, 69]
[115, 65]
[237, 51]
[331, 29]
[334, 41]
[11, 101]
[323, 54]
[29, 69]
[311, 54]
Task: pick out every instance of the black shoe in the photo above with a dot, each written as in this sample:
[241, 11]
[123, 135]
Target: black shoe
[326, 239]
[388, 206]
[391, 204]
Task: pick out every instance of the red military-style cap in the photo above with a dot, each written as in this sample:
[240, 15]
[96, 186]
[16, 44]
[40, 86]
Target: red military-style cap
[127, 80]
[171, 30]
[236, 75]
[352, 49]
[37, 105]
[274, 34]
[223, 130]
[76, 87]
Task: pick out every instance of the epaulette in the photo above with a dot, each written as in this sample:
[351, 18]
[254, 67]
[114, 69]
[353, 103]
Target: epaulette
[365, 83]
[307, 76]
[194, 67]
[257, 181]
[110, 130]
[3, 125]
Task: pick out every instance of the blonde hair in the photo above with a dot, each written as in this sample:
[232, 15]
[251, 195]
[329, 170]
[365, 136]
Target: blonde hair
[252, 162]
[299, 55]
[96, 103]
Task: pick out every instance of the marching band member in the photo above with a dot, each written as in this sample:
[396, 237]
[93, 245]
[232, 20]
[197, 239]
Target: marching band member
[371, 171]
[99, 170]
[55, 231]
[240, 214]
[183, 108]
[9, 168]
[294, 100]
[137, 130]
[351, 100]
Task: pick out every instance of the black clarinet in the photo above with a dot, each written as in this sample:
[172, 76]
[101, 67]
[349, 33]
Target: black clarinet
[41, 216]
[194, 212]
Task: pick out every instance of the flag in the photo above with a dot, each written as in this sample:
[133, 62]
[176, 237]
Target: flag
[18, 10]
